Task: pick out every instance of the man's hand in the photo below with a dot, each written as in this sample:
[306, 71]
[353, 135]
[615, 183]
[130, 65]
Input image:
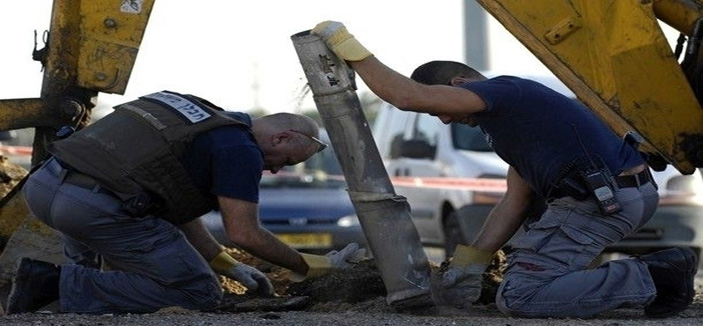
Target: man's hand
[250, 277]
[333, 260]
[340, 41]
[459, 284]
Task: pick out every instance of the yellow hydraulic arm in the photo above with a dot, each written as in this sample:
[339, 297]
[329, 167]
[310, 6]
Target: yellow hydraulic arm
[91, 47]
[615, 57]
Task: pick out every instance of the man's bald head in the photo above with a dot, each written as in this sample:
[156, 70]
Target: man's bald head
[279, 122]
[286, 139]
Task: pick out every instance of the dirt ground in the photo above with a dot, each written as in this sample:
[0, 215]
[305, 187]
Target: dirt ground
[351, 297]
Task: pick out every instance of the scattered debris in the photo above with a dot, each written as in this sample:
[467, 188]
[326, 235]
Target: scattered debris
[10, 175]
[359, 288]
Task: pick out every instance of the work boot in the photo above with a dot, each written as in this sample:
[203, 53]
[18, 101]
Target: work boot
[672, 271]
[34, 285]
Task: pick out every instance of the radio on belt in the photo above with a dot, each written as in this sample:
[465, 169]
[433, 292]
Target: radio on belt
[600, 182]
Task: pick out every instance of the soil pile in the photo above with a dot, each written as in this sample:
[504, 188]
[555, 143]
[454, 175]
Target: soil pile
[10, 175]
[359, 288]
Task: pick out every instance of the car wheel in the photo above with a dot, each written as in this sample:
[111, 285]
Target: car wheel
[452, 234]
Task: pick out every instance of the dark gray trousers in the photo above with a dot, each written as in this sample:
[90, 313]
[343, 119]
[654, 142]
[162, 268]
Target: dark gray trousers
[547, 273]
[152, 265]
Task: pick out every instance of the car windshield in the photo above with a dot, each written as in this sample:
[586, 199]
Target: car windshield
[322, 170]
[469, 138]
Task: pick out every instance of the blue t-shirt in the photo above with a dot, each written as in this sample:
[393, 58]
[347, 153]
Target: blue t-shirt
[534, 129]
[226, 161]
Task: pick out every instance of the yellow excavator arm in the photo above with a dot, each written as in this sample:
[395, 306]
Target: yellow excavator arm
[111, 33]
[91, 47]
[615, 57]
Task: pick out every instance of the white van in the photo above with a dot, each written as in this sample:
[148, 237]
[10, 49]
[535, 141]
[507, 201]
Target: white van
[421, 146]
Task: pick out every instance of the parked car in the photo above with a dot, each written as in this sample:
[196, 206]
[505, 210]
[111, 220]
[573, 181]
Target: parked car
[306, 206]
[415, 145]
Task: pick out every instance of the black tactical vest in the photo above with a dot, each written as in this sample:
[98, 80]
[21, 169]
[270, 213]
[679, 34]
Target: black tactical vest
[135, 150]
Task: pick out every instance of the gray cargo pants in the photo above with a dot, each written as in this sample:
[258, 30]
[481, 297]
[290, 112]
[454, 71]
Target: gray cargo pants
[152, 264]
[547, 275]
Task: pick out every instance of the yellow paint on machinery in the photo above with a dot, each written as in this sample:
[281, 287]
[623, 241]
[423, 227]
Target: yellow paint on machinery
[111, 33]
[91, 47]
[614, 56]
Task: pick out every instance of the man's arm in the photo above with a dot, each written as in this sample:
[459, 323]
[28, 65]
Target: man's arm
[390, 85]
[407, 94]
[198, 235]
[507, 216]
[461, 282]
[221, 262]
[241, 220]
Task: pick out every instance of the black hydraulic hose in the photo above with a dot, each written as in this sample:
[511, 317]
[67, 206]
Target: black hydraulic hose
[679, 45]
[694, 43]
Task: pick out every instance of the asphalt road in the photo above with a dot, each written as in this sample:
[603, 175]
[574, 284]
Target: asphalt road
[373, 312]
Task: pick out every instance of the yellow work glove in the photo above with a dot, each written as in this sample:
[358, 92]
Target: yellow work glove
[340, 41]
[333, 260]
[467, 255]
[253, 279]
[459, 284]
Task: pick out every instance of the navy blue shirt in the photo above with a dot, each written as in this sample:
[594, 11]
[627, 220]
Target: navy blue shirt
[534, 129]
[226, 161]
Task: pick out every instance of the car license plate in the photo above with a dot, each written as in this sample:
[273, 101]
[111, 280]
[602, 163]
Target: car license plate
[307, 240]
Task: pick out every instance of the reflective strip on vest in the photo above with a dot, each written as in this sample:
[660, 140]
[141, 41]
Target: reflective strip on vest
[187, 109]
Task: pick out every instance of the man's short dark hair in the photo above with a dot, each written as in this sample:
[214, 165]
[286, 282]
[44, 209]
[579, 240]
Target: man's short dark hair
[442, 72]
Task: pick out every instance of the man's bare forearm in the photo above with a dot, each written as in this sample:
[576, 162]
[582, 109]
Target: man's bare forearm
[198, 236]
[507, 216]
[263, 244]
[499, 227]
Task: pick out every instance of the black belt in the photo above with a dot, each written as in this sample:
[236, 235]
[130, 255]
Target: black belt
[624, 181]
[635, 180]
[75, 178]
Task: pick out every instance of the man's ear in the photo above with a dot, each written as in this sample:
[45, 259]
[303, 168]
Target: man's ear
[280, 138]
[458, 80]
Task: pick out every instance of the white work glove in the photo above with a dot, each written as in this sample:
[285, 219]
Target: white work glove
[250, 277]
[333, 260]
[459, 284]
[338, 39]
